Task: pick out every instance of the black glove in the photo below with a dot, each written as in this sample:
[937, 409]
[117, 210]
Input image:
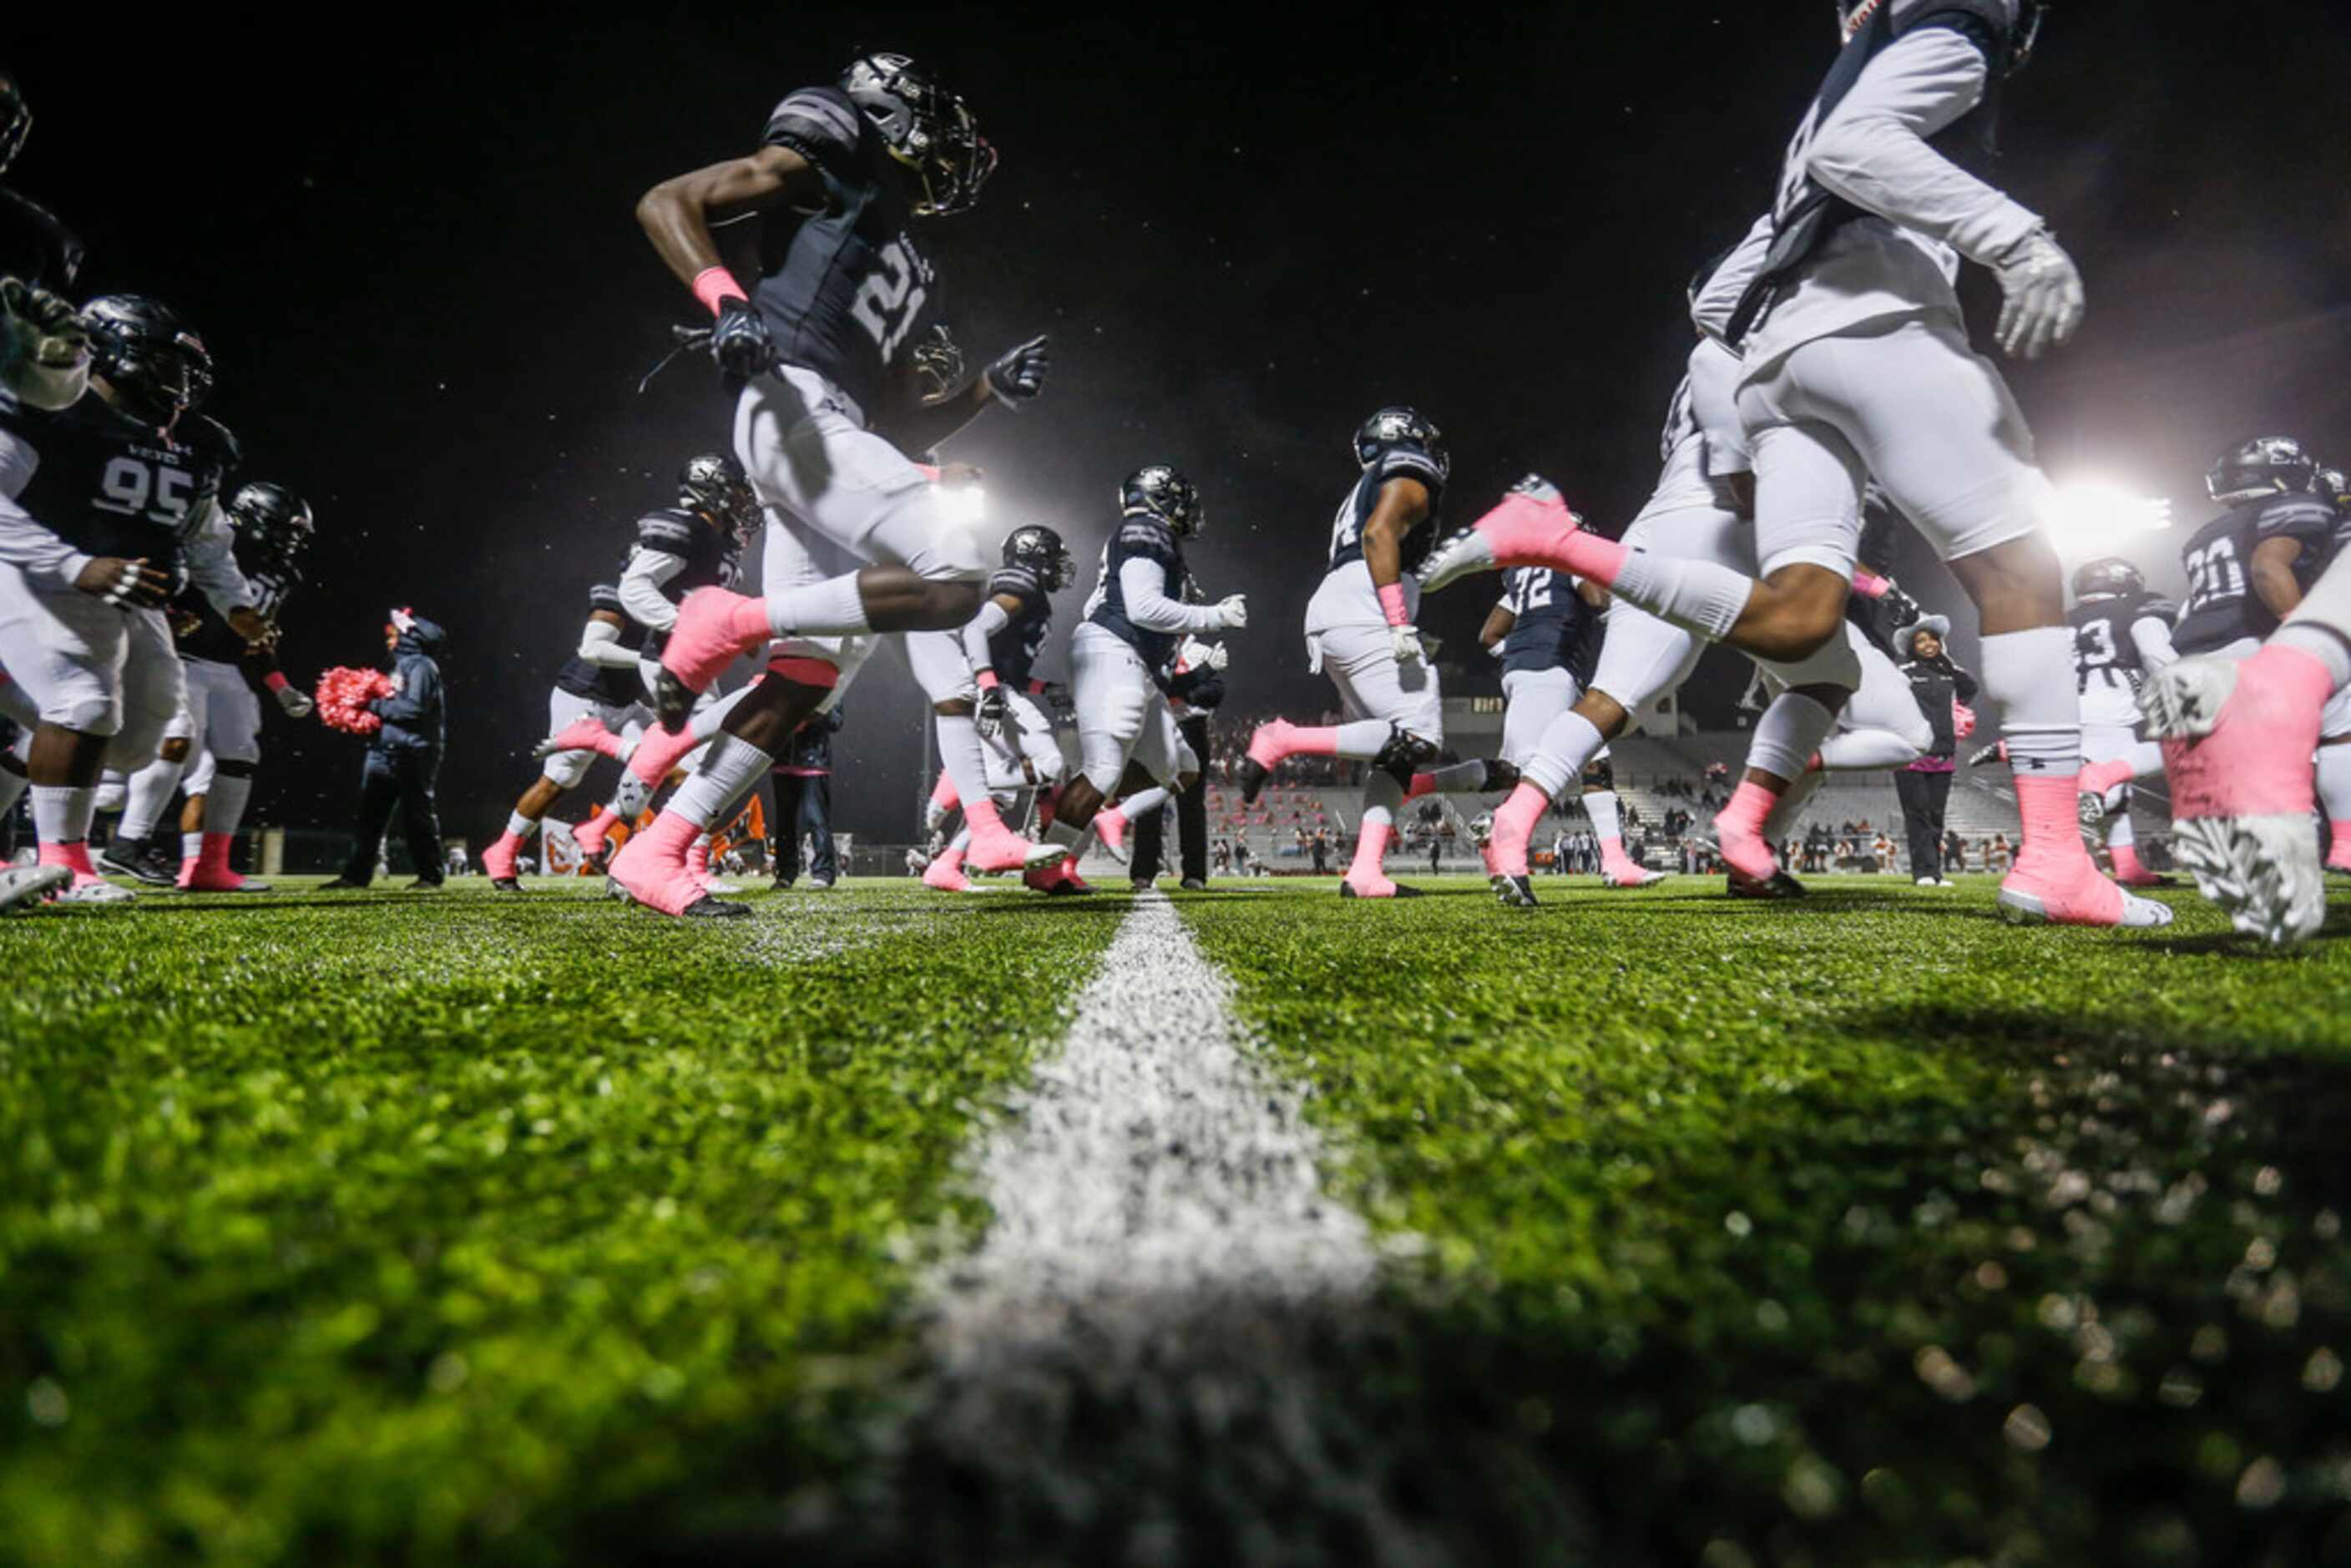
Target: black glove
[992, 713]
[739, 342]
[1058, 698]
[1018, 374]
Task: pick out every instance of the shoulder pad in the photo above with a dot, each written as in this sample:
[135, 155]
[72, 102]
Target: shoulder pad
[1410, 463]
[819, 123]
[2296, 515]
[1017, 581]
[672, 533]
[604, 596]
[1147, 536]
[210, 437]
[2160, 609]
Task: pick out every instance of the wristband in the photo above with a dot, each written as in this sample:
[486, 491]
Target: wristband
[276, 681]
[1391, 604]
[1036, 687]
[929, 471]
[987, 679]
[1869, 585]
[713, 285]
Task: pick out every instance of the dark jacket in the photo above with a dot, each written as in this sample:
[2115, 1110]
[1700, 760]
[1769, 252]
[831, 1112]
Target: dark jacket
[1936, 684]
[412, 716]
[811, 750]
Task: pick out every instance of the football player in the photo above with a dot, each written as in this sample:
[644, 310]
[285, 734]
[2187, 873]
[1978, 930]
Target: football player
[831, 401]
[1001, 645]
[216, 738]
[1360, 629]
[2333, 486]
[600, 680]
[2122, 635]
[107, 505]
[2248, 568]
[1135, 619]
[43, 349]
[1855, 366]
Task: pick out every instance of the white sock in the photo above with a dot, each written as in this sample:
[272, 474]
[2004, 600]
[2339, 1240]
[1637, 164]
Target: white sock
[1461, 779]
[832, 608]
[1696, 595]
[1780, 820]
[145, 795]
[2121, 833]
[2335, 782]
[224, 803]
[61, 813]
[1858, 750]
[732, 765]
[2030, 674]
[1600, 805]
[960, 754]
[1142, 803]
[1790, 731]
[520, 827]
[1364, 739]
[191, 846]
[2320, 625]
[1568, 745]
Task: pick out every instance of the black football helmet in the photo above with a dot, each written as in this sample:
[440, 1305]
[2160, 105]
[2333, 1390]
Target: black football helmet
[1396, 425]
[2332, 487]
[938, 361]
[926, 128]
[15, 120]
[273, 522]
[2107, 577]
[2265, 466]
[155, 363]
[1040, 550]
[1158, 491]
[711, 483]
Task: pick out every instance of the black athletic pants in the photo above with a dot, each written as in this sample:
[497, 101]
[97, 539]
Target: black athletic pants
[1191, 817]
[1924, 798]
[404, 778]
[804, 805]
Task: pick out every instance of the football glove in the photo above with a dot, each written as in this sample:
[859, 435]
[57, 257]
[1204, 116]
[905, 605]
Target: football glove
[295, 701]
[1234, 612]
[739, 341]
[2043, 296]
[1058, 698]
[991, 714]
[1405, 643]
[1018, 373]
[43, 347]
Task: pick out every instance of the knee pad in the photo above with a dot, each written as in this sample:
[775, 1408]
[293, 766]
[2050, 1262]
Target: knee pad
[1833, 664]
[1404, 755]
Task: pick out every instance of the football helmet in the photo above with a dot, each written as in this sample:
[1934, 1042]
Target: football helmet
[2265, 466]
[275, 520]
[938, 361]
[713, 482]
[1158, 491]
[2332, 487]
[2107, 577]
[1040, 550]
[15, 120]
[1396, 425]
[154, 363]
[925, 128]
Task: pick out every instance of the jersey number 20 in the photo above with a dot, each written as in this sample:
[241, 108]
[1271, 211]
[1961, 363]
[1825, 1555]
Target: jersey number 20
[890, 300]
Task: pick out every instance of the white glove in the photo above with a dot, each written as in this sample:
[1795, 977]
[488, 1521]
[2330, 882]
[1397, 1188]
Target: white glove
[1233, 612]
[1406, 641]
[295, 701]
[2044, 298]
[43, 347]
[1218, 656]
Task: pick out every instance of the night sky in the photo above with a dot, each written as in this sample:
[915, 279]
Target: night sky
[418, 269]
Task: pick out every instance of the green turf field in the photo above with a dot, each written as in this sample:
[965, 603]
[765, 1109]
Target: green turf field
[1868, 1229]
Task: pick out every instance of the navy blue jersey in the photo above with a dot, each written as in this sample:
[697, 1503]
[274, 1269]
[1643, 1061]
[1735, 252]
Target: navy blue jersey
[843, 290]
[208, 636]
[1395, 463]
[1553, 628]
[602, 682]
[2104, 653]
[1013, 647]
[35, 245]
[109, 486]
[1145, 537]
[2223, 606]
[712, 558]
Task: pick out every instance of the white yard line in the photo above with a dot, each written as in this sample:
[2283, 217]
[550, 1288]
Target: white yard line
[1154, 1186]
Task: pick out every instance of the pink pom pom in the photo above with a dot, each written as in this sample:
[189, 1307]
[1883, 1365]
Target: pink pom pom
[343, 694]
[1963, 720]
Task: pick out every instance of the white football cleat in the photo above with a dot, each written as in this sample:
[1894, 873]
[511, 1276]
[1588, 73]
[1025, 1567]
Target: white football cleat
[94, 890]
[19, 883]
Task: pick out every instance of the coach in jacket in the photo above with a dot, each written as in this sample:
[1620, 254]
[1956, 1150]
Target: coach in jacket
[1924, 786]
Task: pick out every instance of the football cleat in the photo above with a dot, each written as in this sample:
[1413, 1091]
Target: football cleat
[505, 885]
[1521, 531]
[1253, 775]
[145, 861]
[1515, 892]
[93, 890]
[1781, 886]
[702, 642]
[22, 884]
[1109, 832]
[1382, 889]
[2088, 900]
[1984, 755]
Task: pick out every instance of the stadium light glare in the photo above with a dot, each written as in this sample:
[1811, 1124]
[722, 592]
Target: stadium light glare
[2095, 518]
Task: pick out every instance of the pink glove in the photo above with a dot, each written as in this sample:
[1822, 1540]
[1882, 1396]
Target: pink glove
[1963, 720]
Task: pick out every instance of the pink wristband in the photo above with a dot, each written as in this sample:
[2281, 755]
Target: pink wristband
[987, 679]
[276, 681]
[929, 471]
[1869, 585]
[1391, 604]
[713, 285]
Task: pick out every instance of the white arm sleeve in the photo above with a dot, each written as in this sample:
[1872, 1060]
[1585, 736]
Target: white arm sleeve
[1872, 151]
[1711, 307]
[600, 643]
[1148, 606]
[23, 542]
[978, 630]
[641, 586]
[2153, 639]
[211, 552]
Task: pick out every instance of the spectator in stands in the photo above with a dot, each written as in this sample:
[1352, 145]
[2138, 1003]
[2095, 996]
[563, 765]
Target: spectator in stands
[1924, 786]
[1996, 855]
[1319, 846]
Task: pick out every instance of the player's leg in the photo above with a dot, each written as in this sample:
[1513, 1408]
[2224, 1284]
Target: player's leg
[2335, 780]
[1404, 699]
[942, 671]
[1112, 693]
[222, 785]
[137, 851]
[66, 651]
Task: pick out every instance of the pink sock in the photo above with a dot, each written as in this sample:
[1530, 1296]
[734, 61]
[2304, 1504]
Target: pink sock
[1514, 828]
[2129, 867]
[943, 793]
[1048, 802]
[2338, 845]
[746, 620]
[74, 857]
[671, 835]
[1280, 738]
[2052, 831]
[1370, 849]
[2097, 777]
[1422, 784]
[604, 821]
[1739, 832]
[1615, 861]
[983, 819]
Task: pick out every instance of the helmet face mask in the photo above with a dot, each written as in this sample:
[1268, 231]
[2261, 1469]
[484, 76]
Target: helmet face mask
[926, 128]
[938, 363]
[2332, 487]
[2106, 578]
[15, 122]
[1159, 491]
[155, 365]
[2265, 466]
[1398, 425]
[714, 483]
[1040, 550]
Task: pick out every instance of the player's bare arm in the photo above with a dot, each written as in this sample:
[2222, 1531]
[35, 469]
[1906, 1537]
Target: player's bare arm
[679, 213]
[1403, 503]
[2272, 575]
[1499, 621]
